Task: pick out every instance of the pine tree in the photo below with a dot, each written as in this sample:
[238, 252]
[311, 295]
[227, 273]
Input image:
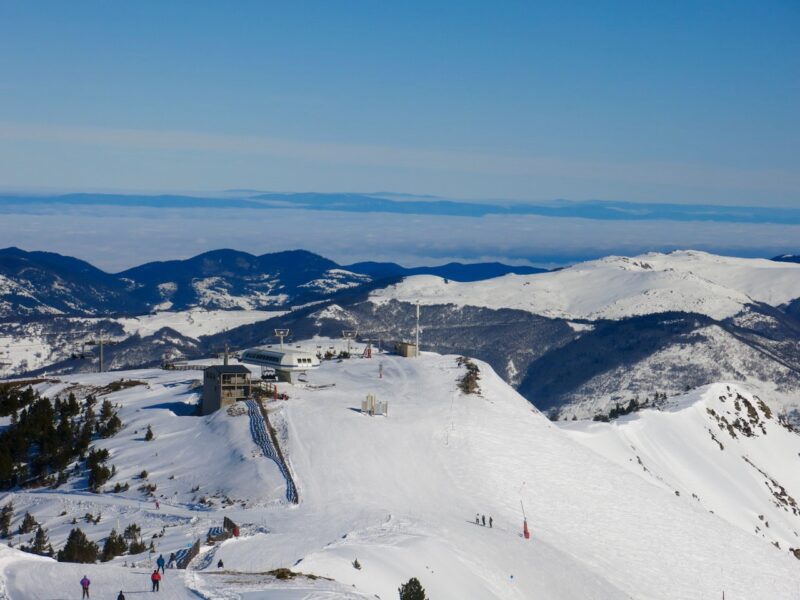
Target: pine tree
[78, 549]
[99, 473]
[113, 425]
[28, 523]
[88, 415]
[106, 410]
[6, 514]
[137, 547]
[412, 590]
[114, 546]
[72, 407]
[132, 532]
[41, 543]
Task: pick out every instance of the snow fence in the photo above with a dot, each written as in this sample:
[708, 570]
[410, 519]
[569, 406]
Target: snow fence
[263, 439]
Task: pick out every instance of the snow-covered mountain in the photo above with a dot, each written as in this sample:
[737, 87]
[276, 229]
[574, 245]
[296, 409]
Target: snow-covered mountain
[618, 287]
[400, 493]
[574, 341]
[719, 445]
[579, 340]
[229, 279]
[42, 283]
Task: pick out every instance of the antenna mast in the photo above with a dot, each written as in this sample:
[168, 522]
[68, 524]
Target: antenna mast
[349, 334]
[281, 333]
[416, 343]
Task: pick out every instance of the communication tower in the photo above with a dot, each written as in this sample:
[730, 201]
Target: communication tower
[349, 334]
[281, 333]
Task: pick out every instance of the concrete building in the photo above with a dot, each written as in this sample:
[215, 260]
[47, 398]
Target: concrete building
[223, 385]
[284, 361]
[406, 349]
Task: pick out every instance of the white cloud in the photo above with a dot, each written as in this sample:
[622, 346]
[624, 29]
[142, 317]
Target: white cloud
[114, 238]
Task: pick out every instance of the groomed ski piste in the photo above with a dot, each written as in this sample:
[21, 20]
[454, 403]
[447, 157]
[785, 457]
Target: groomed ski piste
[398, 493]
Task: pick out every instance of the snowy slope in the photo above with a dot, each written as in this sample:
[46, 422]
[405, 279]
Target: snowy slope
[706, 354]
[194, 323]
[32, 345]
[720, 446]
[619, 287]
[400, 494]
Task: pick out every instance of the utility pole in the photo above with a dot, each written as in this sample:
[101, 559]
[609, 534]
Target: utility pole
[416, 344]
[100, 343]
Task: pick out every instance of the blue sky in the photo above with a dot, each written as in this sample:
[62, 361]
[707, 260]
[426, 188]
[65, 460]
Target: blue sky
[685, 102]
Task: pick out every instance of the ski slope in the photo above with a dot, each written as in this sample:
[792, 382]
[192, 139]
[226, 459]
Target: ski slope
[399, 493]
[718, 445]
[618, 287]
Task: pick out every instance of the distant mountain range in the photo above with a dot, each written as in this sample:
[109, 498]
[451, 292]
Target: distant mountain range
[602, 210]
[455, 271]
[573, 341]
[44, 283]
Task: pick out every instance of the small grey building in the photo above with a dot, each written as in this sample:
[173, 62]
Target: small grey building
[223, 385]
[405, 349]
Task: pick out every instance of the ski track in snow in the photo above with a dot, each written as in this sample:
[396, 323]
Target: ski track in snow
[258, 428]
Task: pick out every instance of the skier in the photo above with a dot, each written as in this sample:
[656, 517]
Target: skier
[85, 586]
[220, 565]
[155, 578]
[157, 505]
[490, 522]
[121, 596]
[483, 520]
[160, 563]
[172, 559]
[477, 519]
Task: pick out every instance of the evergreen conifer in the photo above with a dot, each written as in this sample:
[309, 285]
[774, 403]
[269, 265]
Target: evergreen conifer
[412, 590]
[78, 549]
[41, 543]
[6, 514]
[113, 546]
[28, 523]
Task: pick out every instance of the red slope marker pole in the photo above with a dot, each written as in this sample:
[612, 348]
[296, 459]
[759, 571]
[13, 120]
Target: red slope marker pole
[525, 532]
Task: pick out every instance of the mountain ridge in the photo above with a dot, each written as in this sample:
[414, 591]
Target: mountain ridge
[222, 278]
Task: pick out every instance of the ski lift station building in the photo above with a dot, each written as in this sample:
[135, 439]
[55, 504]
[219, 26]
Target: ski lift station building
[223, 385]
[285, 361]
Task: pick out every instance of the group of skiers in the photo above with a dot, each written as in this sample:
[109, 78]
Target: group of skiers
[155, 577]
[481, 520]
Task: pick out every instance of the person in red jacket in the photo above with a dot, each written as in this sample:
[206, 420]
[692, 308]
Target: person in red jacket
[155, 578]
[85, 586]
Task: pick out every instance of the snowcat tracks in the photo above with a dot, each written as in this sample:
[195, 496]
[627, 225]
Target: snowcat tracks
[269, 446]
